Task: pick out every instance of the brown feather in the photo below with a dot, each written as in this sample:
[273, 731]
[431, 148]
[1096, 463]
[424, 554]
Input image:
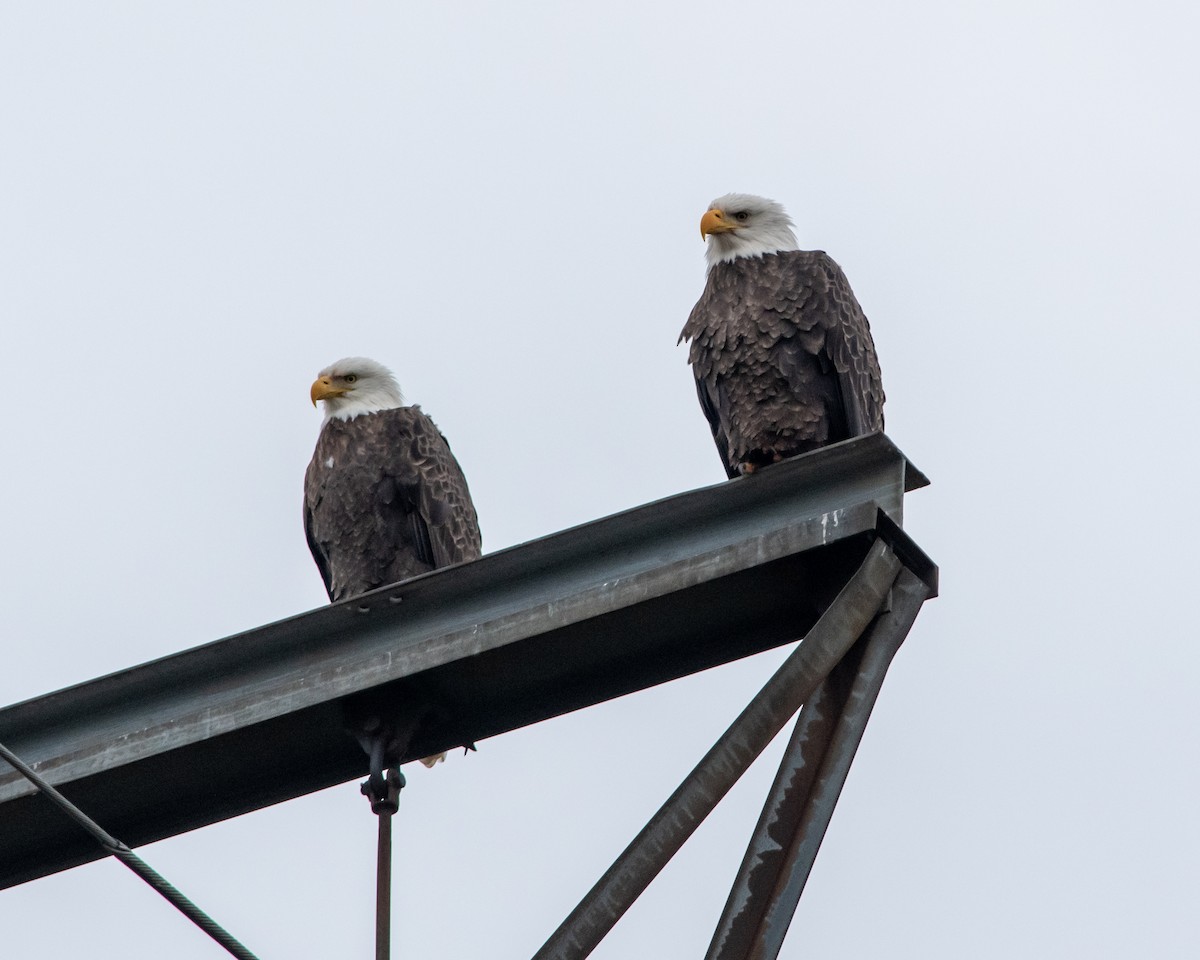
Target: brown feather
[385, 500]
[783, 357]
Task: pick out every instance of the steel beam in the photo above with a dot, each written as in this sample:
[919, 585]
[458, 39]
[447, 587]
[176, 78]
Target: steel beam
[471, 651]
[723, 765]
[811, 775]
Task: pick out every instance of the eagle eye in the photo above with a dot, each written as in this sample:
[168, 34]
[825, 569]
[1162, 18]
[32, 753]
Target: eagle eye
[351, 377]
[741, 215]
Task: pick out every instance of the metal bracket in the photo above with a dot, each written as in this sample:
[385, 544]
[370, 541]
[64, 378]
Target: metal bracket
[385, 744]
[385, 781]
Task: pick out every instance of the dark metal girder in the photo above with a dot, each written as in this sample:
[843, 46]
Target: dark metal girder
[811, 775]
[521, 635]
[799, 675]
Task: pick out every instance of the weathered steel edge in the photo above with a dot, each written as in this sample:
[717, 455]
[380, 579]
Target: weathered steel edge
[453, 613]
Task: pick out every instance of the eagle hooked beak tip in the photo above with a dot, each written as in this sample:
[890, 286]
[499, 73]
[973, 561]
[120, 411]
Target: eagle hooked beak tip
[714, 221]
[323, 389]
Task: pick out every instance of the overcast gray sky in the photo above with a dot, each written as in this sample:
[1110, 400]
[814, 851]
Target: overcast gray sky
[203, 204]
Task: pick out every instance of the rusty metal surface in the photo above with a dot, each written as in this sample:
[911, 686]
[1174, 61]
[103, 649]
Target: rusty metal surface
[521, 635]
[823, 646]
[752, 891]
[811, 775]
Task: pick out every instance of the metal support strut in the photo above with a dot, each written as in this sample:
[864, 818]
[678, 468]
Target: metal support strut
[382, 788]
[798, 810]
[846, 618]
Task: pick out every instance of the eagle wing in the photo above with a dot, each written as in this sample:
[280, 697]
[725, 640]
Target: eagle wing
[315, 547]
[709, 398]
[850, 346]
[780, 348]
[441, 503]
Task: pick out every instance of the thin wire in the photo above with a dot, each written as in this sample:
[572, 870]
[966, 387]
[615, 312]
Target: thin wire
[130, 859]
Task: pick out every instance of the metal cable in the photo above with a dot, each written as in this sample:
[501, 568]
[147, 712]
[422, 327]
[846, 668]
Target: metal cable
[130, 859]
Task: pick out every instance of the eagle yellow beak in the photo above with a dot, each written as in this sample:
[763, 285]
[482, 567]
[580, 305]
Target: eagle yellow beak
[714, 222]
[323, 389]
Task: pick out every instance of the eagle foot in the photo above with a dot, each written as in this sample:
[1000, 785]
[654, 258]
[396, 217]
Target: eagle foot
[758, 460]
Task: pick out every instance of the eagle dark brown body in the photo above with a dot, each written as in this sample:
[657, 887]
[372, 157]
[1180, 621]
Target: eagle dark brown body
[385, 500]
[783, 358]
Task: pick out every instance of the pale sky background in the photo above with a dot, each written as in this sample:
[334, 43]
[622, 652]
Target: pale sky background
[205, 203]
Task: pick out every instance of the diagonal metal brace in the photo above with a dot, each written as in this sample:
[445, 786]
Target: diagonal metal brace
[811, 775]
[800, 674]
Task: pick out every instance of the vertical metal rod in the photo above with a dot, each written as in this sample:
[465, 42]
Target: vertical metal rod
[826, 643]
[784, 846]
[383, 889]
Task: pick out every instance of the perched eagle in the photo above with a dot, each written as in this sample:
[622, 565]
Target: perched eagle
[384, 498]
[781, 350]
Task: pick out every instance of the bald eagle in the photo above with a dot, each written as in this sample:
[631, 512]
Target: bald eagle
[384, 498]
[781, 350]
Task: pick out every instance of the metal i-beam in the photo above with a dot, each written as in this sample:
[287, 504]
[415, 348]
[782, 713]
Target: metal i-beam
[464, 653]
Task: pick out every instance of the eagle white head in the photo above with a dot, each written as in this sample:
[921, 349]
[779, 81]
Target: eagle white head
[743, 225]
[354, 386]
